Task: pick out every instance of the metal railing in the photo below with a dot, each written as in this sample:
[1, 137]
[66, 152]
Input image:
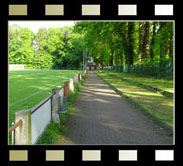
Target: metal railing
[12, 129]
[43, 102]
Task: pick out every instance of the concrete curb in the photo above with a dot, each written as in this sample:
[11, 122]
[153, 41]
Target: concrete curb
[163, 124]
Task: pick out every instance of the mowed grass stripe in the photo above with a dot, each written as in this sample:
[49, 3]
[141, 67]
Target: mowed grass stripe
[161, 106]
[34, 81]
[41, 91]
[25, 83]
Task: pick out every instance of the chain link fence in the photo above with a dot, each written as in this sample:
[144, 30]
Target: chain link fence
[158, 70]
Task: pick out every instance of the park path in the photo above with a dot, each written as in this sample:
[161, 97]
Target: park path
[101, 116]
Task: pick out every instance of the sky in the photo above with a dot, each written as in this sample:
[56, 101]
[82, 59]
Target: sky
[35, 25]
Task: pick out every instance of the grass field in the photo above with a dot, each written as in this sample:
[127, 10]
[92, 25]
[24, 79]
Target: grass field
[161, 106]
[29, 87]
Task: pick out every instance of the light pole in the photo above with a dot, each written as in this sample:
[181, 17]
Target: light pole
[86, 59]
[83, 50]
[84, 54]
[83, 59]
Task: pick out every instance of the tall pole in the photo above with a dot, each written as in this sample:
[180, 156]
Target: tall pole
[83, 59]
[86, 59]
[83, 51]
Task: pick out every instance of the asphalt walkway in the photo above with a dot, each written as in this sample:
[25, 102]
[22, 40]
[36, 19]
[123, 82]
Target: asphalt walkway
[102, 117]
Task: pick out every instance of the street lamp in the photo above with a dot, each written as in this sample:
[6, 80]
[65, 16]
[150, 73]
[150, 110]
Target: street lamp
[84, 54]
[84, 58]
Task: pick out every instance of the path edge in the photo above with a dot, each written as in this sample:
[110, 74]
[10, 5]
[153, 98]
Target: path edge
[157, 90]
[160, 122]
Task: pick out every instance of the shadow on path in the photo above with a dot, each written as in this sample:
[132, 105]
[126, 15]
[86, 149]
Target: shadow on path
[102, 117]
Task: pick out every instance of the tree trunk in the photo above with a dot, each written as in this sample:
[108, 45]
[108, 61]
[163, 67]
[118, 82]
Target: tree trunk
[146, 41]
[153, 42]
[140, 41]
[130, 51]
[121, 61]
[171, 47]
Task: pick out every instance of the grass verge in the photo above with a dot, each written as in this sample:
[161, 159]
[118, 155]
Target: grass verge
[148, 87]
[157, 104]
[53, 130]
[163, 84]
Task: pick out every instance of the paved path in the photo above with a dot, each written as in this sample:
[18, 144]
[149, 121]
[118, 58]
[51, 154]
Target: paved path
[102, 117]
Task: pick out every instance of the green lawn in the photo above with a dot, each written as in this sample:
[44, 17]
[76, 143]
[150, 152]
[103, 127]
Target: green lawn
[29, 87]
[161, 106]
[165, 85]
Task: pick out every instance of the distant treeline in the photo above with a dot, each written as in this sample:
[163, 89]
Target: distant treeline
[48, 48]
[109, 43]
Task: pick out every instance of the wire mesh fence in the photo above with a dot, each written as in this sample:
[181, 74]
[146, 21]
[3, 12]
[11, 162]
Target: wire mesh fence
[159, 70]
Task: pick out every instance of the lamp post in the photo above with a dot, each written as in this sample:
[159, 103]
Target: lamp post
[83, 59]
[84, 55]
[86, 59]
[83, 51]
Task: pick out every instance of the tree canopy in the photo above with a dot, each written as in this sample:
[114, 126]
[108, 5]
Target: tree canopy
[48, 48]
[128, 43]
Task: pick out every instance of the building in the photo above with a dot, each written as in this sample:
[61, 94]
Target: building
[90, 64]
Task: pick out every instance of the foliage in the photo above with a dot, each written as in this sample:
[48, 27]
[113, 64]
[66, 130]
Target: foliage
[49, 48]
[108, 43]
[20, 45]
[128, 43]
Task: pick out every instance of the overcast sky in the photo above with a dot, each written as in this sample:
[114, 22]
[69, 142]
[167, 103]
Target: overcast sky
[35, 25]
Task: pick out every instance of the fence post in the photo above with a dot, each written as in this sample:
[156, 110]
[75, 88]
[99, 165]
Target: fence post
[76, 78]
[71, 84]
[74, 81]
[55, 106]
[13, 134]
[61, 95]
[79, 77]
[66, 88]
[23, 135]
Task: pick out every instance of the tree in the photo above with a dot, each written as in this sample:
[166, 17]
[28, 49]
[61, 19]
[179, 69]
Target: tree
[141, 34]
[145, 47]
[152, 45]
[21, 49]
[108, 43]
[130, 46]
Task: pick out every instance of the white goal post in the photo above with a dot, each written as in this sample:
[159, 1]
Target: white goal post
[16, 67]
